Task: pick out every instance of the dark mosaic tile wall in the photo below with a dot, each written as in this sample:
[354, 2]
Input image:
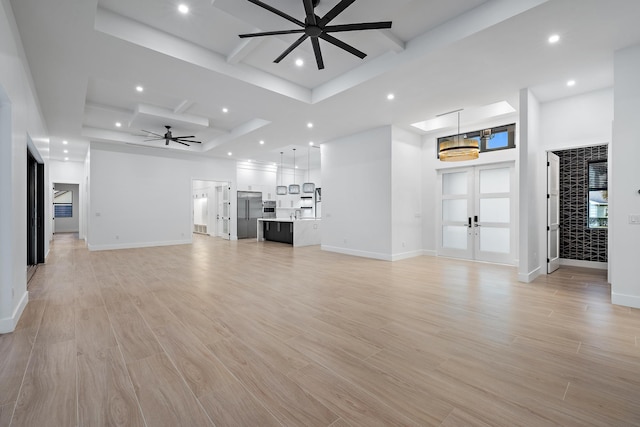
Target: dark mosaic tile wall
[577, 240]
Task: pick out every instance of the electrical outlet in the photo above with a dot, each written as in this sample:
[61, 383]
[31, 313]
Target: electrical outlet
[634, 219]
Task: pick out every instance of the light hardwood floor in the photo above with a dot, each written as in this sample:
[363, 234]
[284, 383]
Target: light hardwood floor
[260, 334]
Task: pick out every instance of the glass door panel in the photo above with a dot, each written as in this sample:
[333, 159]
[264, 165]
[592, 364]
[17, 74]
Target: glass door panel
[454, 237]
[494, 233]
[455, 183]
[496, 240]
[455, 210]
[454, 207]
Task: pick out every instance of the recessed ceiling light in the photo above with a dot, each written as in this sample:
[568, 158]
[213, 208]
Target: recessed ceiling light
[229, 153]
[299, 62]
[183, 8]
[311, 143]
[309, 125]
[249, 161]
[65, 151]
[65, 142]
[296, 167]
[225, 110]
[571, 83]
[118, 124]
[139, 88]
[390, 96]
[554, 38]
[261, 142]
[66, 158]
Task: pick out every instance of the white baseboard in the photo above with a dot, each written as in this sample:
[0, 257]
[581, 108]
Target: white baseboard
[8, 324]
[625, 300]
[354, 252]
[429, 252]
[406, 255]
[529, 277]
[585, 264]
[138, 245]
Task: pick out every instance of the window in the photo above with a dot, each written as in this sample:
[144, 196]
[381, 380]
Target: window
[63, 204]
[493, 139]
[598, 206]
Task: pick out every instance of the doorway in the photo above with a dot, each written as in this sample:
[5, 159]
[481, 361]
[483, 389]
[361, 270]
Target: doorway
[476, 217]
[212, 208]
[35, 210]
[66, 212]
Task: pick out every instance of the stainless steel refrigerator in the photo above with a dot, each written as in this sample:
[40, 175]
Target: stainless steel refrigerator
[249, 210]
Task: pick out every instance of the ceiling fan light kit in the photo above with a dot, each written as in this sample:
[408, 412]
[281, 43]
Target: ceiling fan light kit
[168, 137]
[316, 27]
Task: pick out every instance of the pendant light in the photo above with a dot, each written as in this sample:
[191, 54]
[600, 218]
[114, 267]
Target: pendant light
[281, 190]
[294, 188]
[455, 150]
[308, 187]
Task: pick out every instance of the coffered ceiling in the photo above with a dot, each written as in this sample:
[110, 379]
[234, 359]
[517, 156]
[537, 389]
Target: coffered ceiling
[87, 57]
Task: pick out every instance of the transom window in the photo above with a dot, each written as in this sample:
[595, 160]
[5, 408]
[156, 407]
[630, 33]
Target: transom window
[492, 139]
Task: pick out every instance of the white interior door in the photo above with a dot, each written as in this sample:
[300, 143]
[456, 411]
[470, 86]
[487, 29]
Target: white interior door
[456, 204]
[477, 213]
[223, 213]
[553, 212]
[494, 238]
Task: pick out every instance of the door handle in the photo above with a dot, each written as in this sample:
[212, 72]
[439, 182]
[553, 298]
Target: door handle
[469, 222]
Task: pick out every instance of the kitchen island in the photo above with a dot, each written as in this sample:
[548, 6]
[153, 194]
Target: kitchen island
[298, 232]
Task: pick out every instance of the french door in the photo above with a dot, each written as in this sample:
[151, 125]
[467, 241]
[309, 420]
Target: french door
[553, 212]
[477, 213]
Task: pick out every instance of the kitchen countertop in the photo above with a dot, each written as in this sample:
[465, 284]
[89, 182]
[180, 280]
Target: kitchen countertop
[288, 219]
[306, 231]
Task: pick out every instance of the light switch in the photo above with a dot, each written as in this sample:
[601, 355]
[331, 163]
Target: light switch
[634, 219]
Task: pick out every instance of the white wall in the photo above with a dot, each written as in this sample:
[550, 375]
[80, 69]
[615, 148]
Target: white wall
[356, 194]
[148, 201]
[624, 185]
[406, 194]
[530, 192]
[19, 117]
[577, 121]
[71, 173]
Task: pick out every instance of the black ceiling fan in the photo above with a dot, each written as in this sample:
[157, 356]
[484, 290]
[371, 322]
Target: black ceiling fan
[318, 28]
[169, 137]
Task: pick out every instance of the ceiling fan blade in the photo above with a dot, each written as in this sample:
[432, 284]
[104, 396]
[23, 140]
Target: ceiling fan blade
[152, 133]
[342, 45]
[277, 12]
[337, 10]
[154, 139]
[180, 142]
[271, 33]
[183, 137]
[308, 9]
[190, 140]
[290, 49]
[318, 52]
[357, 27]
